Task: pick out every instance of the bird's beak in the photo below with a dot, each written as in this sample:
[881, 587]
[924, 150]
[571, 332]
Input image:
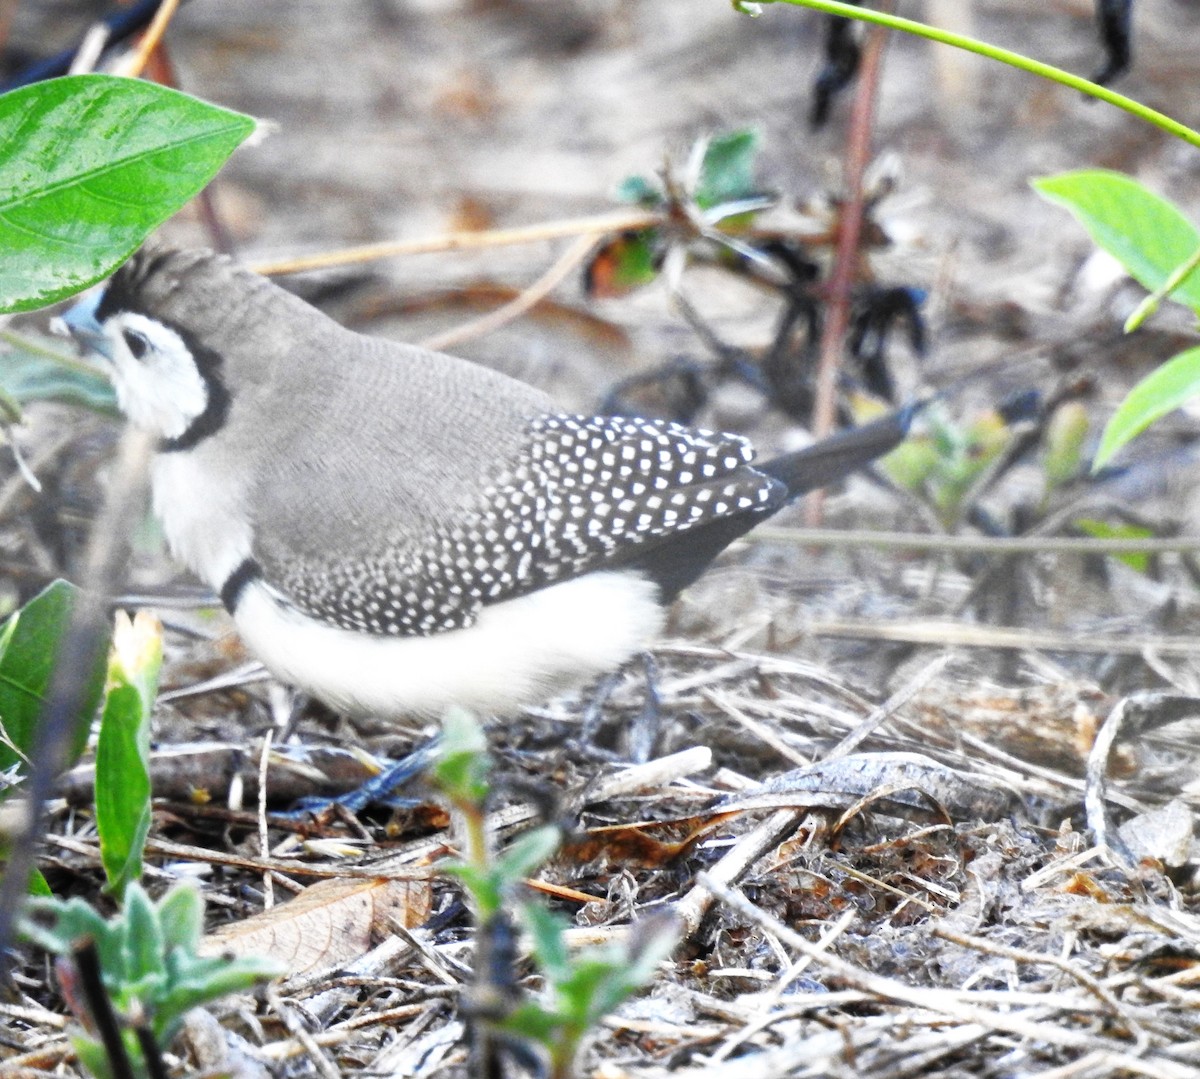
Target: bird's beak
[80, 322]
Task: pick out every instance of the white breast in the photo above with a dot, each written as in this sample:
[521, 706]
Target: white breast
[519, 652]
[202, 515]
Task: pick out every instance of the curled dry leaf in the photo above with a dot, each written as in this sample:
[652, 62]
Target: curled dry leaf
[647, 844]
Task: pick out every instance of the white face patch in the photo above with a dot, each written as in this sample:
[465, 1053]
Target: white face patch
[158, 384]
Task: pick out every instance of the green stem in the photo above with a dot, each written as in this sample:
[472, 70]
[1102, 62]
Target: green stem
[10, 409]
[1004, 56]
[476, 854]
[1150, 304]
[27, 344]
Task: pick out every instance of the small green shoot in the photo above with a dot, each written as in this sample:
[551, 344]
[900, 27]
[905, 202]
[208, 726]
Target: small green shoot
[150, 969]
[942, 463]
[580, 988]
[123, 749]
[462, 767]
[1063, 444]
[725, 196]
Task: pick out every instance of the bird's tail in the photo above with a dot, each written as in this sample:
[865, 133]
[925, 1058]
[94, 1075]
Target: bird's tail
[837, 456]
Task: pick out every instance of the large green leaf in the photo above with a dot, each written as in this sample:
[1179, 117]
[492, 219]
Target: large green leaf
[1163, 390]
[90, 165]
[1142, 231]
[27, 668]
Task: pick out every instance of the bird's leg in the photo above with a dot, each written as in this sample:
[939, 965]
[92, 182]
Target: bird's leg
[377, 789]
[643, 731]
[297, 706]
[593, 713]
[646, 727]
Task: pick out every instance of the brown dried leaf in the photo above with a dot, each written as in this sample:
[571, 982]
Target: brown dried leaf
[1051, 725]
[327, 925]
[649, 845]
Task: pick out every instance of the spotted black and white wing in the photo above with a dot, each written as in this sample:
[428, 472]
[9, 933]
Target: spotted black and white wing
[580, 494]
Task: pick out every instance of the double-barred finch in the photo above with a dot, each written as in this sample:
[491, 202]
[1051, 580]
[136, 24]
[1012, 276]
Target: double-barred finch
[395, 530]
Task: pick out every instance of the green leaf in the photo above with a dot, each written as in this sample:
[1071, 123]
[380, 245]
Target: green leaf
[147, 955]
[38, 885]
[597, 985]
[56, 925]
[1142, 231]
[92, 164]
[530, 1020]
[640, 191]
[32, 370]
[547, 931]
[144, 944]
[527, 853]
[181, 912]
[624, 263]
[482, 885]
[7, 630]
[123, 787]
[489, 884]
[200, 979]
[123, 749]
[1163, 390]
[462, 764]
[728, 169]
[912, 462]
[93, 1056]
[27, 667]
[1104, 530]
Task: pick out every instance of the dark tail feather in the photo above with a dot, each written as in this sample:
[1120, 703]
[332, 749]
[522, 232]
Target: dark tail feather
[675, 563]
[837, 456]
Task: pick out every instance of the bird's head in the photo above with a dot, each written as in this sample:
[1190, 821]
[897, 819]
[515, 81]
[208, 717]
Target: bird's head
[157, 376]
[177, 331]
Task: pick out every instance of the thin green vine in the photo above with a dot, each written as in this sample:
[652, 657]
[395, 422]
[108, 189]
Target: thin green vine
[993, 52]
[1150, 304]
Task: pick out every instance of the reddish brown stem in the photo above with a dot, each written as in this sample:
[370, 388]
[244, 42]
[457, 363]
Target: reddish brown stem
[849, 233]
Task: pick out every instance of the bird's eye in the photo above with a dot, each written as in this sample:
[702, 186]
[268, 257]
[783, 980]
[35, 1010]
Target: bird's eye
[138, 345]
